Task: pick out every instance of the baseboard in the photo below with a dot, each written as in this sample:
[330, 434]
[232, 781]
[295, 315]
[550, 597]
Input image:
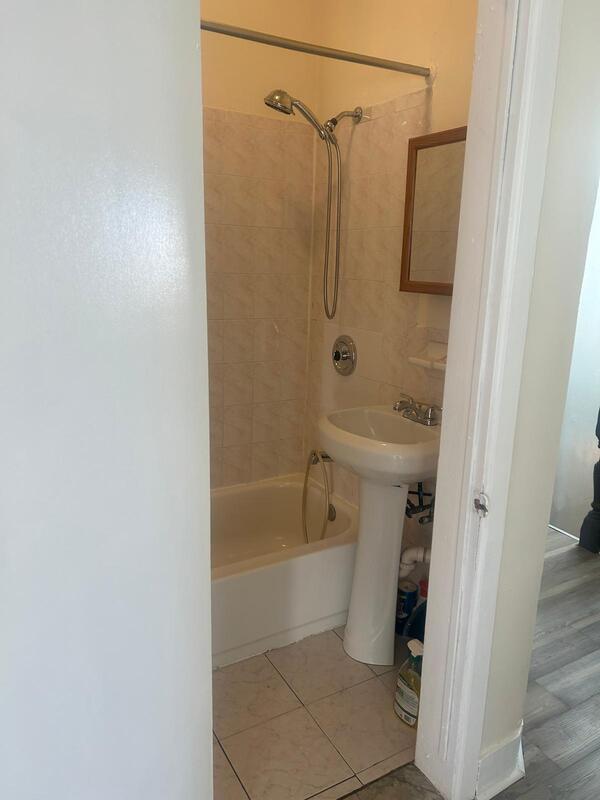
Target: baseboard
[279, 639]
[500, 768]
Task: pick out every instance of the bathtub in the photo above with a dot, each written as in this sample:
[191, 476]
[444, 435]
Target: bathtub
[270, 588]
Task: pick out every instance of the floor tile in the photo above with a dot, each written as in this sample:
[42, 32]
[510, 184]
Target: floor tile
[563, 612]
[226, 785]
[538, 769]
[389, 680]
[318, 666]
[540, 705]
[247, 693]
[401, 653]
[570, 736]
[362, 724]
[387, 765]
[558, 651]
[580, 781]
[576, 681]
[287, 758]
[407, 783]
[557, 541]
[340, 790]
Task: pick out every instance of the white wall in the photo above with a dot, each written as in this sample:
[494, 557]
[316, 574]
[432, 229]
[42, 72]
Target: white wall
[104, 583]
[573, 489]
[568, 204]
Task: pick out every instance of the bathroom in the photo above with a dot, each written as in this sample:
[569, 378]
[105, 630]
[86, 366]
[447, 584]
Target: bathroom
[303, 707]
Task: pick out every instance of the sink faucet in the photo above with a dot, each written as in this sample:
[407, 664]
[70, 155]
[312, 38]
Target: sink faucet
[424, 414]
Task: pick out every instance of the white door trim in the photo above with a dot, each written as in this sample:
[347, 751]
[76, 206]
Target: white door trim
[509, 125]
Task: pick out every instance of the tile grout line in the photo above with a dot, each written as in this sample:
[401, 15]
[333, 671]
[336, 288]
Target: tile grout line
[331, 694]
[375, 677]
[232, 767]
[221, 740]
[386, 759]
[339, 783]
[313, 719]
[370, 666]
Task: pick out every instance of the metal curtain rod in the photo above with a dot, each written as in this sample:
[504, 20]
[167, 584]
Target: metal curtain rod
[314, 49]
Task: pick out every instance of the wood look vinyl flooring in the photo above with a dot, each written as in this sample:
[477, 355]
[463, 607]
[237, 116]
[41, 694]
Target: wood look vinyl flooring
[561, 738]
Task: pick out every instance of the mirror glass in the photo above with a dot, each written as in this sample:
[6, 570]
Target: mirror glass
[433, 191]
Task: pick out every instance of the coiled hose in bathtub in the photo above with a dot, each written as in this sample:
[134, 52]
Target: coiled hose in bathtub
[315, 457]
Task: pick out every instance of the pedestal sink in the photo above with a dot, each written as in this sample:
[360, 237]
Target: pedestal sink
[388, 452]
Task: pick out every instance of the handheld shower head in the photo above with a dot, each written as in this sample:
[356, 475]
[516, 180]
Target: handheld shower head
[280, 100]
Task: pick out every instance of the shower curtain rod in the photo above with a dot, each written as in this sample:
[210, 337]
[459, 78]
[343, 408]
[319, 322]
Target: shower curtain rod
[313, 49]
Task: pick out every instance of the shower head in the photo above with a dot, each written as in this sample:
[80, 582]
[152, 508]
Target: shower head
[280, 100]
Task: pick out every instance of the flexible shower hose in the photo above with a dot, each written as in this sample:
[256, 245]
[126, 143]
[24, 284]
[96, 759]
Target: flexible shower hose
[314, 457]
[331, 307]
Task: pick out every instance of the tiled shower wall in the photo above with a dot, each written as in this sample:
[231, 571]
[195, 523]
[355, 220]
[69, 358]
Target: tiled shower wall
[386, 324]
[258, 203]
[260, 219]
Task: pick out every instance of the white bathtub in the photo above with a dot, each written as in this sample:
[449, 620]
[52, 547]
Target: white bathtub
[270, 588]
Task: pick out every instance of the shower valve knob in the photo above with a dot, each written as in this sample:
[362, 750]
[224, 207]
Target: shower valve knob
[343, 355]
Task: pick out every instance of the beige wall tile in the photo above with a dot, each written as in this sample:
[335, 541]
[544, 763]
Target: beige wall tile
[266, 381]
[236, 464]
[238, 341]
[237, 296]
[266, 422]
[237, 425]
[237, 384]
[260, 251]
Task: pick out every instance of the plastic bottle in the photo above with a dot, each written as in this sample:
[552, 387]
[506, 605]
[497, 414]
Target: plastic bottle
[408, 686]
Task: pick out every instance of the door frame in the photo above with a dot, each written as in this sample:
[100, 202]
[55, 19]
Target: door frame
[516, 59]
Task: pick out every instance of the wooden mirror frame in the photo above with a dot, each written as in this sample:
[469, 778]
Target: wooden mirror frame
[414, 145]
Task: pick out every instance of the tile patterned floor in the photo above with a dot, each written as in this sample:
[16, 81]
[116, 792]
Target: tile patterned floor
[307, 721]
[344, 705]
[561, 735]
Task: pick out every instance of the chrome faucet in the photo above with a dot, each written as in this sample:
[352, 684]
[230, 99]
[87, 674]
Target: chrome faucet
[424, 414]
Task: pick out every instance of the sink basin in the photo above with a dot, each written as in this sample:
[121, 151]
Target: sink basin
[378, 443]
[388, 452]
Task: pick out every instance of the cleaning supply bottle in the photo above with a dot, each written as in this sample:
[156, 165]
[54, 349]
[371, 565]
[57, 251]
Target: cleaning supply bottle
[408, 686]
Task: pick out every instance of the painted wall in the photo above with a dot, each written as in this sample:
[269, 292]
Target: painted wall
[431, 33]
[569, 199]
[438, 33]
[238, 74]
[573, 490]
[104, 585]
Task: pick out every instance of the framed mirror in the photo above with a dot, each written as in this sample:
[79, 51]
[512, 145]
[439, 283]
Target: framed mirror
[433, 187]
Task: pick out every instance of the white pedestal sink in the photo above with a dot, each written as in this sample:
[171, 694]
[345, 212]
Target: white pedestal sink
[389, 453]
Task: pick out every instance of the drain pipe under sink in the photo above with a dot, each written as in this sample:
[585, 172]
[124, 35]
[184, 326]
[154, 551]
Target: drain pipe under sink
[412, 556]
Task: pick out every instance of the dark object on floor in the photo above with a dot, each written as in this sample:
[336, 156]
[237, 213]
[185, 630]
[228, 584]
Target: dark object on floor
[589, 537]
[415, 627]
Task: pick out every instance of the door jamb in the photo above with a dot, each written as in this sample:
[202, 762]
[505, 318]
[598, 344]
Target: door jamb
[509, 127]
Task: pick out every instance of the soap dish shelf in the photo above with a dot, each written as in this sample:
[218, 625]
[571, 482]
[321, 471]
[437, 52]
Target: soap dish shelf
[438, 365]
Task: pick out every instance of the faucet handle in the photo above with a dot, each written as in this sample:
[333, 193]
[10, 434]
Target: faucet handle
[406, 401]
[432, 415]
